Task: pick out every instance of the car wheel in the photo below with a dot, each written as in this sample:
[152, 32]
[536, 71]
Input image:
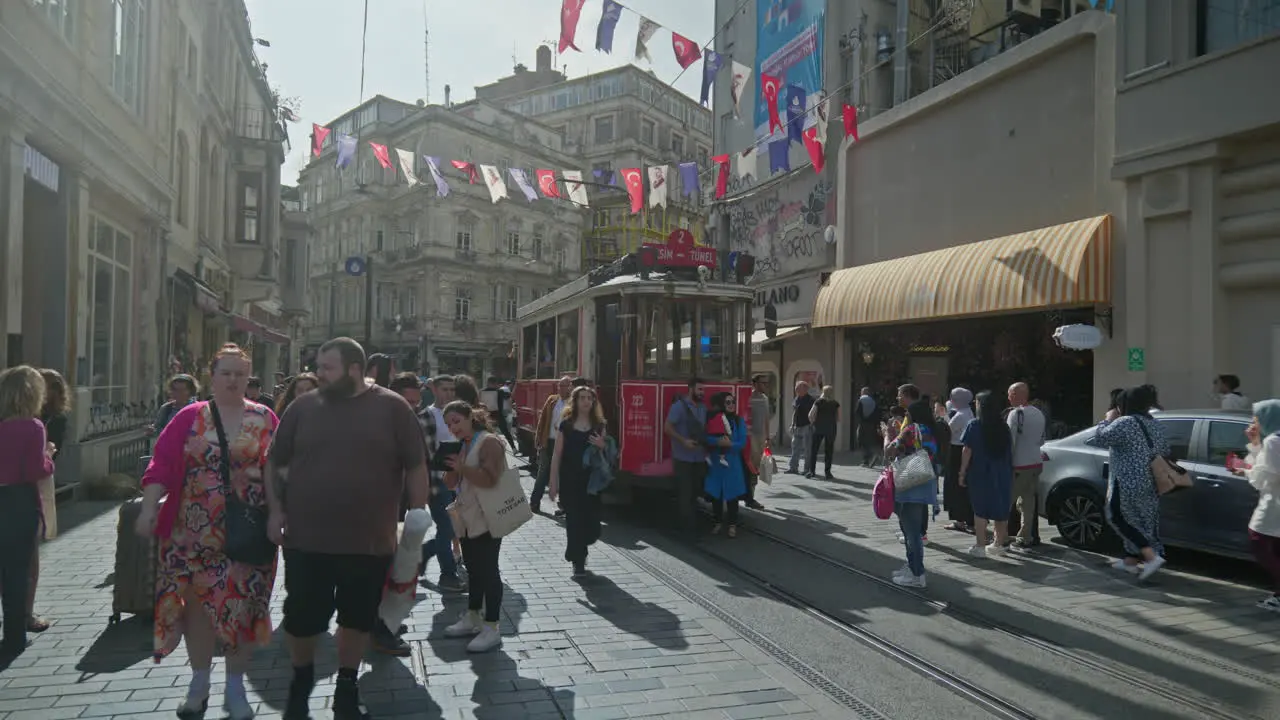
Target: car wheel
[1080, 519]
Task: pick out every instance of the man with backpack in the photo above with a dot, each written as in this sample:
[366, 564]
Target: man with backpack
[686, 426]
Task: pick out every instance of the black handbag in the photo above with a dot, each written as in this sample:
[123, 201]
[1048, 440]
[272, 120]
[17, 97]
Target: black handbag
[246, 524]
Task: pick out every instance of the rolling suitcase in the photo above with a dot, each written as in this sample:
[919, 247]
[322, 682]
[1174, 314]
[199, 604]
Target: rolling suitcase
[134, 591]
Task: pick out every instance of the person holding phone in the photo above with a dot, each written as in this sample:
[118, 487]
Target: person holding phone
[582, 425]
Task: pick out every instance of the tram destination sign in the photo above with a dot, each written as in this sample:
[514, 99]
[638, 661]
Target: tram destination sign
[680, 250]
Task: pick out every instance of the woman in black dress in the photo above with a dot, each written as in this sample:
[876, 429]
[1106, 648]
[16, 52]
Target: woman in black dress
[582, 424]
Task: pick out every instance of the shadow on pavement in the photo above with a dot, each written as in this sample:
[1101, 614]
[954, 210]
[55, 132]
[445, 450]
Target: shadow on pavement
[650, 621]
[122, 645]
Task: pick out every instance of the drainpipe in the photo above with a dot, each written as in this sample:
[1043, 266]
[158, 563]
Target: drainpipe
[901, 56]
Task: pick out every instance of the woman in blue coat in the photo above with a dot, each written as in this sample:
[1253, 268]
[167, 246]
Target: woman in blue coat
[726, 482]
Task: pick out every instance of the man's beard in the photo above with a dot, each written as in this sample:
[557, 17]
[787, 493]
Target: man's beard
[697, 396]
[339, 389]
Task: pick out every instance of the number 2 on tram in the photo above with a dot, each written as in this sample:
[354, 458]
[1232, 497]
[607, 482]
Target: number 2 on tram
[639, 340]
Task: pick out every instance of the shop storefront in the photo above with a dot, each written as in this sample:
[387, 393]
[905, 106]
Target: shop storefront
[794, 353]
[981, 315]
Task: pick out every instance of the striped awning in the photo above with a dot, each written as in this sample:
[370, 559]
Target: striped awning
[1055, 267]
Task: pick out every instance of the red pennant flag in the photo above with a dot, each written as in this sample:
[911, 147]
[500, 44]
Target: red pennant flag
[687, 51]
[816, 150]
[468, 168]
[635, 188]
[770, 85]
[851, 122]
[380, 152]
[570, 10]
[722, 174]
[547, 183]
[318, 135]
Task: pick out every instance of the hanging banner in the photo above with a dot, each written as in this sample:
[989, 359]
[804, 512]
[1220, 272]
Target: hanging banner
[788, 47]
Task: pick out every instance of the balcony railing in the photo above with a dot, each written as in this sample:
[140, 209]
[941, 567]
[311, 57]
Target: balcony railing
[258, 123]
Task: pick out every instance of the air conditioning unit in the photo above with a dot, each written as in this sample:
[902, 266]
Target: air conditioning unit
[1032, 8]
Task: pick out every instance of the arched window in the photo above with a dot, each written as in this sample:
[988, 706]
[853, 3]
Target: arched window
[183, 173]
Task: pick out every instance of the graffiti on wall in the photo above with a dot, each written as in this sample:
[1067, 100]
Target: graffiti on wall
[784, 226]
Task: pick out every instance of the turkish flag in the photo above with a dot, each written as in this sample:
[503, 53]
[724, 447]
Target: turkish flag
[722, 174]
[570, 10]
[817, 153]
[770, 86]
[318, 135]
[380, 152]
[850, 121]
[468, 168]
[547, 183]
[635, 188]
[687, 51]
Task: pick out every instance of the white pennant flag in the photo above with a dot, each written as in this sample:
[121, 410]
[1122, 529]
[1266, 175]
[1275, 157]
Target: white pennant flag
[493, 179]
[746, 161]
[577, 190]
[658, 186]
[406, 166]
[741, 73]
[819, 111]
[647, 29]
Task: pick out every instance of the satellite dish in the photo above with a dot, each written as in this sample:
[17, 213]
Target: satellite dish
[830, 234]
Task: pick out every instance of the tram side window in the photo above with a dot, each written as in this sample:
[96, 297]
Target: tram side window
[529, 352]
[567, 343]
[547, 349]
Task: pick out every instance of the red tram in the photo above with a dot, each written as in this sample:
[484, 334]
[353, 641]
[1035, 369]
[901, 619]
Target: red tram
[639, 329]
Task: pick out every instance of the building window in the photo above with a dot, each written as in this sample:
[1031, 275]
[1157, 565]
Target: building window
[465, 230]
[704, 156]
[462, 304]
[184, 179]
[513, 242]
[250, 192]
[61, 14]
[677, 143]
[291, 263]
[412, 302]
[648, 131]
[127, 51]
[604, 129]
[193, 61]
[511, 304]
[110, 261]
[537, 244]
[1224, 24]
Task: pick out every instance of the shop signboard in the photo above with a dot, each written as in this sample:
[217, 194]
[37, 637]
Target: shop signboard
[792, 298]
[642, 419]
[681, 250]
[1078, 337]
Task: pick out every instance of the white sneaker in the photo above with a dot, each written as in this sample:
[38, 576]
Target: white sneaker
[1149, 568]
[978, 551]
[1272, 603]
[902, 539]
[1123, 566]
[488, 639]
[904, 570]
[909, 580]
[996, 550]
[468, 624]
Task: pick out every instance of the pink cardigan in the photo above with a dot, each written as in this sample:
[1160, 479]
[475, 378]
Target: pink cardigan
[168, 465]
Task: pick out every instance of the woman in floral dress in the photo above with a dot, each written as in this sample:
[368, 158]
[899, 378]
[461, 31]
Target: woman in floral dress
[200, 594]
[1133, 505]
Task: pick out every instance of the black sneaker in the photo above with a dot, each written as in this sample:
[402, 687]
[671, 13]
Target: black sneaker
[580, 569]
[450, 583]
[386, 643]
[299, 704]
[754, 504]
[346, 702]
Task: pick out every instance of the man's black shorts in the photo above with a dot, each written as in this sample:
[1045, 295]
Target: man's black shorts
[317, 584]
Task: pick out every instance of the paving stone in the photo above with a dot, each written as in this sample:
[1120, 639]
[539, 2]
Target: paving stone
[618, 645]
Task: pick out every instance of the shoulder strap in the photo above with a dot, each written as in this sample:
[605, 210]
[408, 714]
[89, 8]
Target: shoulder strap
[1143, 427]
[224, 463]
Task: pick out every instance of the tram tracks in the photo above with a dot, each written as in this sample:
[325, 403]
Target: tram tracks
[998, 706]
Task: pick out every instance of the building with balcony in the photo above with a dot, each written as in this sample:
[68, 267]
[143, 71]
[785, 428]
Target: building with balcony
[619, 118]
[442, 276]
[119, 142]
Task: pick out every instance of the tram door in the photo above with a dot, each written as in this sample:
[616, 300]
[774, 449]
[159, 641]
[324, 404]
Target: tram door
[608, 357]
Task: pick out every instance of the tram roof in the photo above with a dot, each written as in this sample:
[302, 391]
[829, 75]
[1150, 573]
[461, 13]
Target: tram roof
[658, 283]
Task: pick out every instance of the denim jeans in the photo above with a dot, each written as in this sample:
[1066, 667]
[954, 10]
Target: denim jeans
[441, 546]
[800, 438]
[912, 519]
[543, 479]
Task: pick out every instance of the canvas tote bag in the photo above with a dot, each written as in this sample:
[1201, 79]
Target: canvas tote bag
[505, 506]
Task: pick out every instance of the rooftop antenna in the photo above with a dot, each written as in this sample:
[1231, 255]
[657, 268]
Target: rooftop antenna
[426, 54]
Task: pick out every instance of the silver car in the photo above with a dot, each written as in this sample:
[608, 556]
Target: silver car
[1211, 516]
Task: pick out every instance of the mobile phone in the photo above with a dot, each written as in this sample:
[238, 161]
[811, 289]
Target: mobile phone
[1235, 463]
[442, 453]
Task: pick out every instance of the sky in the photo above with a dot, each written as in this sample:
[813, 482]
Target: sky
[315, 49]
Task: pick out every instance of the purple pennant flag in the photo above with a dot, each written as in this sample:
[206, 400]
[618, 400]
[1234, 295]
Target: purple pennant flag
[613, 180]
[346, 150]
[442, 186]
[711, 62]
[522, 181]
[797, 104]
[779, 156]
[608, 21]
[689, 178]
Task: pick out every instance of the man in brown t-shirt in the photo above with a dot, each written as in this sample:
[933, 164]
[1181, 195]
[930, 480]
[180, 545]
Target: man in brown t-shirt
[350, 450]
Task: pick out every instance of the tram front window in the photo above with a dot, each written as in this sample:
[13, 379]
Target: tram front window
[693, 336]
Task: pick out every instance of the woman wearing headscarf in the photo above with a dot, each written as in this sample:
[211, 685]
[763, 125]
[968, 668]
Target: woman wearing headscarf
[955, 497]
[1263, 474]
[1133, 505]
[726, 484]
